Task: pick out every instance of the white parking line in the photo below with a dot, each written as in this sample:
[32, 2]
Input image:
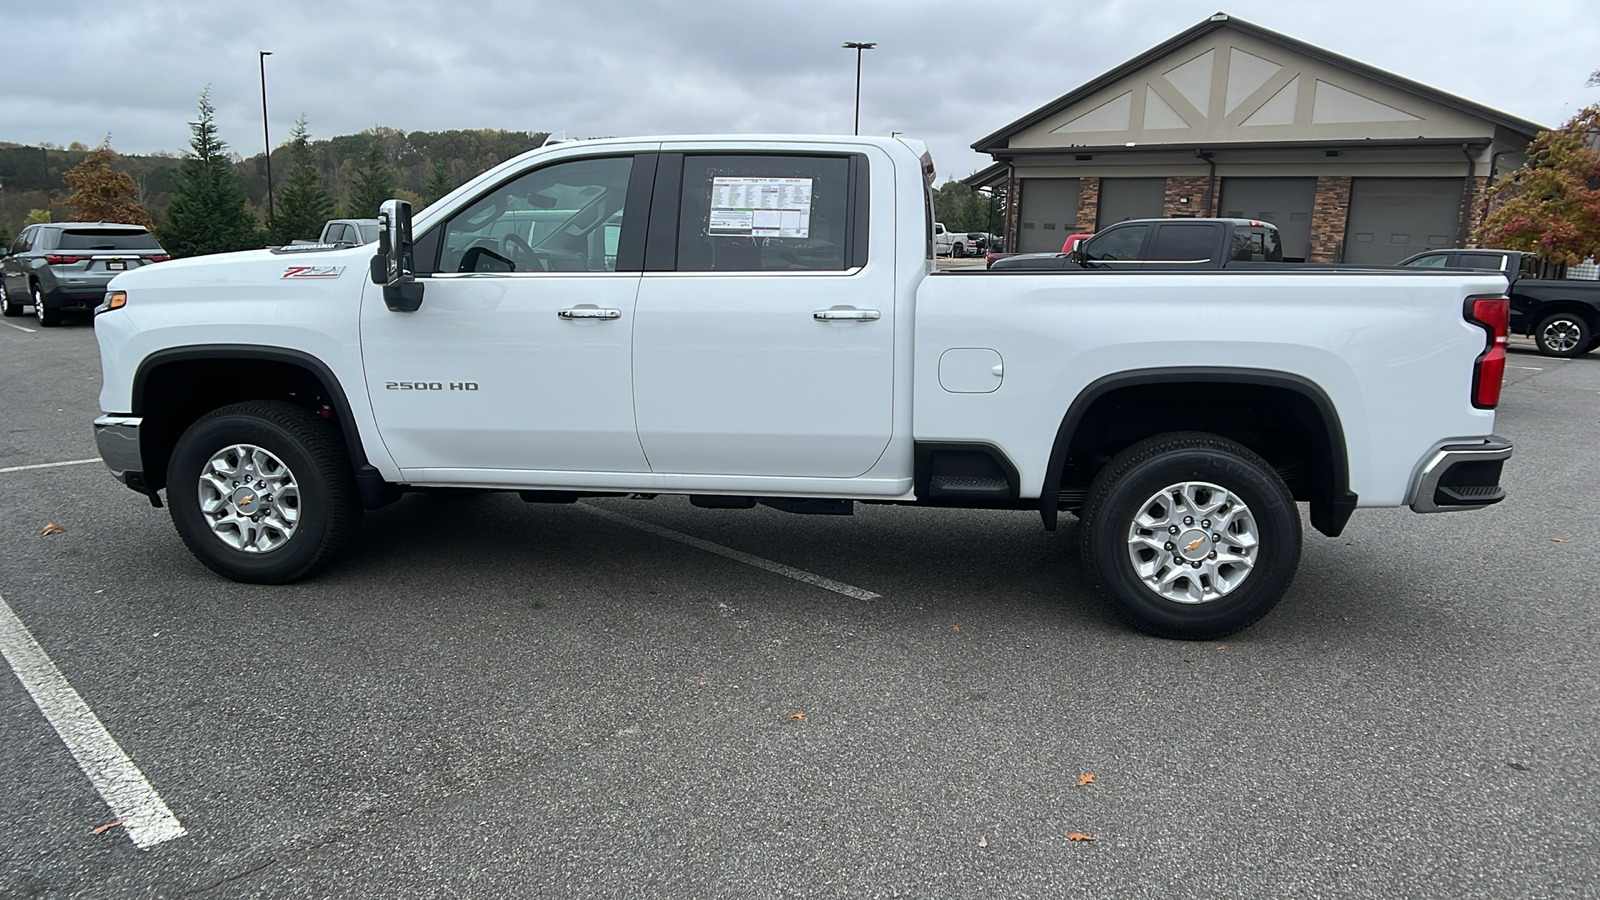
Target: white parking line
[837, 587]
[145, 816]
[55, 465]
[20, 328]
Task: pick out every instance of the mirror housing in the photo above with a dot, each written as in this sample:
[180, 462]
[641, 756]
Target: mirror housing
[393, 267]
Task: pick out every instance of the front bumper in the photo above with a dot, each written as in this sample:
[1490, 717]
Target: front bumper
[117, 437]
[1464, 476]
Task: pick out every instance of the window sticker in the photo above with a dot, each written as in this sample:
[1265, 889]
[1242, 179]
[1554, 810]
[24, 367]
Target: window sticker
[760, 207]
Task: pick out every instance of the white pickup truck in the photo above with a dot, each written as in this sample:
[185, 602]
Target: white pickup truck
[759, 319]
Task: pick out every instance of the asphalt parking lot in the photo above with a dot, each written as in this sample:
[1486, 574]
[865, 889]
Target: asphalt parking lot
[492, 698]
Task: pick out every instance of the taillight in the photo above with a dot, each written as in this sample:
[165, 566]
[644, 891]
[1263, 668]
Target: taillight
[158, 257]
[56, 259]
[1493, 314]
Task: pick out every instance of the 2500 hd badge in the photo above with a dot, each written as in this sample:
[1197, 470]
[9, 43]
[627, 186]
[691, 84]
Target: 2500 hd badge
[430, 386]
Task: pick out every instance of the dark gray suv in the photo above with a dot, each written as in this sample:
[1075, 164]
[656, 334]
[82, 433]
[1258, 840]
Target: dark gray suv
[62, 266]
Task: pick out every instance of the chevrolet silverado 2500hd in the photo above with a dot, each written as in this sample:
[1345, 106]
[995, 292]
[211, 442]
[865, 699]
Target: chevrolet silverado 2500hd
[749, 320]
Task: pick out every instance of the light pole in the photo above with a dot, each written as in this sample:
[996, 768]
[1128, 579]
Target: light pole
[858, 46]
[266, 136]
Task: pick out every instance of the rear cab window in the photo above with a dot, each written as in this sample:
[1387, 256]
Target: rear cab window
[771, 213]
[1185, 242]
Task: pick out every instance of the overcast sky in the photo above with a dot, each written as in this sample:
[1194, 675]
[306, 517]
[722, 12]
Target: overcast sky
[948, 73]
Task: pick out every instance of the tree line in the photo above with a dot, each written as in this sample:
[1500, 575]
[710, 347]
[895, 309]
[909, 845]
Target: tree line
[212, 200]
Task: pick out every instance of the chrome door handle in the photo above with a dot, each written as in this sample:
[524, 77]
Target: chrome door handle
[589, 312]
[859, 315]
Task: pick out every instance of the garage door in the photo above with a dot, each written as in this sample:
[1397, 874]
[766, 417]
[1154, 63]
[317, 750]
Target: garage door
[1122, 199]
[1049, 214]
[1285, 202]
[1392, 218]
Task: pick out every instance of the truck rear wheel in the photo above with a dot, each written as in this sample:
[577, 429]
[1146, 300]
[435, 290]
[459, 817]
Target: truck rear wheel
[1563, 334]
[263, 492]
[1190, 536]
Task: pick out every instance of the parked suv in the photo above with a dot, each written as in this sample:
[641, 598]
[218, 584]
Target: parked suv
[62, 266]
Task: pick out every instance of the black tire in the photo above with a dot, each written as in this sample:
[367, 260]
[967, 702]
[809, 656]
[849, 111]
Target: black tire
[958, 250]
[8, 307]
[1564, 335]
[1134, 478]
[48, 318]
[313, 450]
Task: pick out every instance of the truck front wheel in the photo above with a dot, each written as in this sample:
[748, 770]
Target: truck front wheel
[263, 492]
[1190, 536]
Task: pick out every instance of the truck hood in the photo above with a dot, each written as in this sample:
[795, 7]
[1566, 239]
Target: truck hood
[249, 267]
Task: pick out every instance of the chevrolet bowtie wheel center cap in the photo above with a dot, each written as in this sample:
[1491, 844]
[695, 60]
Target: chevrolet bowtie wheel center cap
[1193, 542]
[249, 498]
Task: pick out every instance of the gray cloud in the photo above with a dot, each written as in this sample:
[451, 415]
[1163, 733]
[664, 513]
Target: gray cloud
[946, 72]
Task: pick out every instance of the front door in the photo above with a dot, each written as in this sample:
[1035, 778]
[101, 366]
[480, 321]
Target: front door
[776, 356]
[518, 358]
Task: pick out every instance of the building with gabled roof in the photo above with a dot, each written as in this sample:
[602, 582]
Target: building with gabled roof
[1352, 163]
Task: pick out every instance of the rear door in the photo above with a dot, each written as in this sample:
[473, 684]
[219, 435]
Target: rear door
[764, 333]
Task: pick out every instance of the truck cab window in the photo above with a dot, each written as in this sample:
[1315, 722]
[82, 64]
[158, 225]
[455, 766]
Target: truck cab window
[1116, 245]
[764, 213]
[561, 218]
[1185, 243]
[1431, 261]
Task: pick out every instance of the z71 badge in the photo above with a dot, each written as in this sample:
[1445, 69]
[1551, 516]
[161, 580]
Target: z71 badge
[313, 272]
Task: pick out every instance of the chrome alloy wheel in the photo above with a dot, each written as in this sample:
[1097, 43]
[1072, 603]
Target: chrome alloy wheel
[1193, 542]
[249, 498]
[1561, 336]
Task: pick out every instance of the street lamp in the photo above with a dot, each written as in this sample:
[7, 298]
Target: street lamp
[858, 46]
[267, 137]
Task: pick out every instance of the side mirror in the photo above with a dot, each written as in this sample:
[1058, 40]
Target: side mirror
[392, 267]
[1078, 256]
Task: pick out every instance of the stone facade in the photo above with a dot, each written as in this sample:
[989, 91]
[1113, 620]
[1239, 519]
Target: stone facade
[1185, 197]
[1328, 218]
[1477, 209]
[1088, 203]
[1013, 224]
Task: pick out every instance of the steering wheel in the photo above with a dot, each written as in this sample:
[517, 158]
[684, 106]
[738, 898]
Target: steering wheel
[516, 246]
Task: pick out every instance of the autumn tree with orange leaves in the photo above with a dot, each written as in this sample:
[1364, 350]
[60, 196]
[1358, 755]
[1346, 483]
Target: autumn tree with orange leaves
[101, 193]
[1551, 206]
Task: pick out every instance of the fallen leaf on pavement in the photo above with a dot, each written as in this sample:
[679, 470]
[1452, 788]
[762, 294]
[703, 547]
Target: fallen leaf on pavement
[1222, 646]
[1080, 836]
[798, 716]
[983, 841]
[1084, 779]
[106, 827]
[955, 627]
[1559, 540]
[53, 528]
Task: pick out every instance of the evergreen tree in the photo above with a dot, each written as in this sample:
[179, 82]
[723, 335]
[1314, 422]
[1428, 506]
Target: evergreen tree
[101, 193]
[207, 213]
[439, 182]
[304, 203]
[374, 184]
